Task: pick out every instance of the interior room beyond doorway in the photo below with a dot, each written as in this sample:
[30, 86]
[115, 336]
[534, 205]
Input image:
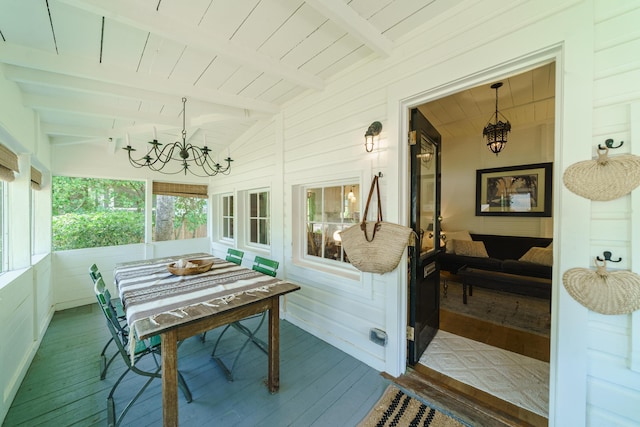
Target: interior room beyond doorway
[527, 100]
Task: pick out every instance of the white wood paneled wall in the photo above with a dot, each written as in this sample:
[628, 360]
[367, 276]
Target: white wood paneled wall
[613, 382]
[319, 136]
[322, 138]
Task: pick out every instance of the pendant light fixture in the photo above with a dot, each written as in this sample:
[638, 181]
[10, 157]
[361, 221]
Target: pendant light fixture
[496, 132]
[179, 156]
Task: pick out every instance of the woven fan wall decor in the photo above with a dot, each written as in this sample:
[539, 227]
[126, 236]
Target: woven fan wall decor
[605, 292]
[606, 178]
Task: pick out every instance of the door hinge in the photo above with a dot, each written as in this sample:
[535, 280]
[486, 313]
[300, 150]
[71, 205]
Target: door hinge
[412, 137]
[410, 333]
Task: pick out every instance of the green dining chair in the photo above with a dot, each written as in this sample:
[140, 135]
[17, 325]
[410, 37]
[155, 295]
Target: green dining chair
[265, 266]
[143, 348]
[97, 280]
[234, 256]
[94, 273]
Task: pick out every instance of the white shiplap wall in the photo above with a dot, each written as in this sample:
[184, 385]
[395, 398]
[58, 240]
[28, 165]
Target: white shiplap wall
[613, 387]
[320, 135]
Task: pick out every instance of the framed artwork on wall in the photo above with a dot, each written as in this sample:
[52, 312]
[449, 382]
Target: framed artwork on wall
[523, 190]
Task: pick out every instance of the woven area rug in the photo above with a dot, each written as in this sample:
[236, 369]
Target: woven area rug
[515, 311]
[395, 408]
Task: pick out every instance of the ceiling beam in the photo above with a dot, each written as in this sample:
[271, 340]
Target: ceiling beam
[82, 85]
[54, 129]
[140, 15]
[81, 67]
[349, 20]
[75, 106]
[148, 120]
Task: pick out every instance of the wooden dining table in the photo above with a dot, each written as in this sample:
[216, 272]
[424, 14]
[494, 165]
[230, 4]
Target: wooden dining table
[176, 307]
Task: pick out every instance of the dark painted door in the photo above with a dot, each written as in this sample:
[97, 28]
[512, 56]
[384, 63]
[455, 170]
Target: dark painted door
[424, 273]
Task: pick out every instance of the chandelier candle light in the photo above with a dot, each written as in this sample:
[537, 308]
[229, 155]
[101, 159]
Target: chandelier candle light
[496, 133]
[181, 155]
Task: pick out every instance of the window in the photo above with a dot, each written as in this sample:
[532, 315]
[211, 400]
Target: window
[259, 218]
[329, 210]
[8, 169]
[179, 211]
[3, 227]
[36, 182]
[89, 212]
[227, 217]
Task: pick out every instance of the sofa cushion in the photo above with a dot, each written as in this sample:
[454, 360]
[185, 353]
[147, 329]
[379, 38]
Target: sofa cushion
[455, 235]
[469, 248]
[538, 255]
[525, 268]
[509, 247]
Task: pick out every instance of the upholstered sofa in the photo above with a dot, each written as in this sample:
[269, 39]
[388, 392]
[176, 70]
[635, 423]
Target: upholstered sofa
[514, 264]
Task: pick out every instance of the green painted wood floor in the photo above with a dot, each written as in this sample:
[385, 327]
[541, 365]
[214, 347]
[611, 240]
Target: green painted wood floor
[319, 384]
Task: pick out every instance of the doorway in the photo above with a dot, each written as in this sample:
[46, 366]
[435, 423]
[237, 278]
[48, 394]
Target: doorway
[460, 117]
[424, 274]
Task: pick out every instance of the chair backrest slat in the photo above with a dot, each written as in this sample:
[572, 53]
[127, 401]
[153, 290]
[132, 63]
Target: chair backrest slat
[265, 265]
[94, 273]
[104, 299]
[234, 256]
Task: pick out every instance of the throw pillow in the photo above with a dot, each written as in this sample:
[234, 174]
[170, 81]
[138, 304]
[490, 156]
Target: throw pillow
[539, 255]
[470, 248]
[455, 235]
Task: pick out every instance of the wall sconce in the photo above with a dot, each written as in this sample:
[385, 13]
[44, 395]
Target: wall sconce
[427, 154]
[371, 135]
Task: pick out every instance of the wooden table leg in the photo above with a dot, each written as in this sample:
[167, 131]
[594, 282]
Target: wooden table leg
[170, 378]
[273, 382]
[464, 293]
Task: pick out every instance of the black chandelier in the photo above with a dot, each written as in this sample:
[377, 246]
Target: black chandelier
[179, 153]
[496, 133]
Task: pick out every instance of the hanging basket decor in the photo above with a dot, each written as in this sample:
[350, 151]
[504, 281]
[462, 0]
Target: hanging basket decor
[375, 247]
[605, 292]
[604, 178]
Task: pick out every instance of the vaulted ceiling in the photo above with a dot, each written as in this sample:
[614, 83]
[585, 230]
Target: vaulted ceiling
[96, 69]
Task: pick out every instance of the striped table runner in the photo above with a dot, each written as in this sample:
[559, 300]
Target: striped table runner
[149, 292]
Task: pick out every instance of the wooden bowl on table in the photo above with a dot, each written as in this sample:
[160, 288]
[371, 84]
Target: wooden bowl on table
[201, 266]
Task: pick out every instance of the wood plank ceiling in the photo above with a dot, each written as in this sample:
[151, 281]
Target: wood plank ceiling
[96, 69]
[525, 99]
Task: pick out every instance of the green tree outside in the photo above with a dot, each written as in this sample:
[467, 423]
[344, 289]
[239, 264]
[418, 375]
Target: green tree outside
[89, 212]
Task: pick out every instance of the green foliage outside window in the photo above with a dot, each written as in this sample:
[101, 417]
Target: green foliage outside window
[177, 218]
[89, 212]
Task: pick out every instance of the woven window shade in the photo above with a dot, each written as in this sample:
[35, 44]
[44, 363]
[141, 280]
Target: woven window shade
[8, 163]
[36, 179]
[180, 190]
[6, 174]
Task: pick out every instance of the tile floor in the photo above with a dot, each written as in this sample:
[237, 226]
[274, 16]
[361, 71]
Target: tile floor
[513, 377]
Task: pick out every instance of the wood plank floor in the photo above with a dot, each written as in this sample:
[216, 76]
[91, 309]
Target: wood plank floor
[319, 384]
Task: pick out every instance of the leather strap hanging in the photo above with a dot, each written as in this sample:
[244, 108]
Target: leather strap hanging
[363, 225]
[383, 254]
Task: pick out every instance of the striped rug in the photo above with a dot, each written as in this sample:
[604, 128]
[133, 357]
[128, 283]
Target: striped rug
[395, 408]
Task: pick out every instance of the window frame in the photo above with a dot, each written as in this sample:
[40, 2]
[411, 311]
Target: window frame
[4, 227]
[325, 223]
[258, 218]
[226, 216]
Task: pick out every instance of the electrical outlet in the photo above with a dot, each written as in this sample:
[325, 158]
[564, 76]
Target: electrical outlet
[378, 336]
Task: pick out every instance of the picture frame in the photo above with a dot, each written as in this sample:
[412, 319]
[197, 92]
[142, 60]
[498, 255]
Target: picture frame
[523, 190]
